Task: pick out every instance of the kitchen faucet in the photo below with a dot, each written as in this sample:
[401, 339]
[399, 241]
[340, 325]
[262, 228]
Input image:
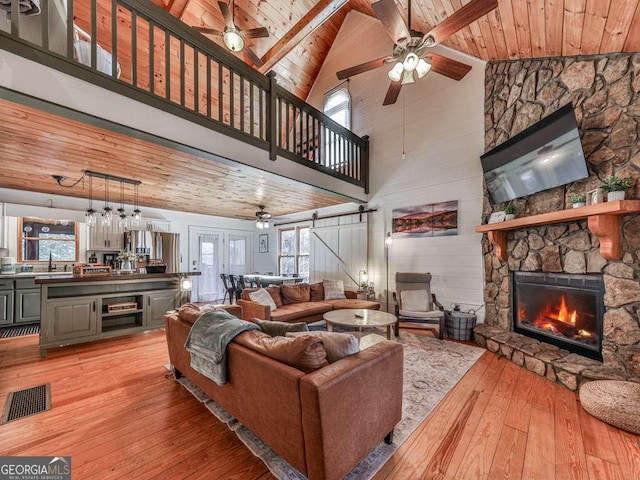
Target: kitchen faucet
[51, 266]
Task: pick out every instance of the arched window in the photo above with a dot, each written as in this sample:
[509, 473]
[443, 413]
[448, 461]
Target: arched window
[337, 106]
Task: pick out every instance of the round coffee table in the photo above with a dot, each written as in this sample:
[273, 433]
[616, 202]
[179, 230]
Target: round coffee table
[360, 318]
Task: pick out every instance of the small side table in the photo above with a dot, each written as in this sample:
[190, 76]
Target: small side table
[366, 296]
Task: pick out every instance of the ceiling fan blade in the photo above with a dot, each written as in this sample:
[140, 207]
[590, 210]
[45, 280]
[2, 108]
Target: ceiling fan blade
[471, 12]
[389, 15]
[209, 31]
[255, 59]
[392, 93]
[448, 67]
[226, 13]
[260, 32]
[363, 67]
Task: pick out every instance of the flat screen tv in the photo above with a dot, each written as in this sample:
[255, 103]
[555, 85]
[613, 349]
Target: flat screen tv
[545, 155]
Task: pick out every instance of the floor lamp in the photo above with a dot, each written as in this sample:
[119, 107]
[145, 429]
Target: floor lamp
[387, 244]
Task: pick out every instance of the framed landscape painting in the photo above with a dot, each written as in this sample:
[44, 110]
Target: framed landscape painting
[433, 220]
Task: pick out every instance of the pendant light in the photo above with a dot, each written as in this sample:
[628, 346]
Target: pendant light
[122, 217]
[136, 217]
[90, 216]
[107, 215]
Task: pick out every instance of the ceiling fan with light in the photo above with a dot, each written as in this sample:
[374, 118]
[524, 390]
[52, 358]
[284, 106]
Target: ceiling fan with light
[233, 37]
[410, 57]
[262, 218]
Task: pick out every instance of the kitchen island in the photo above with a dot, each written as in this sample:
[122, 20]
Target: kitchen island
[79, 309]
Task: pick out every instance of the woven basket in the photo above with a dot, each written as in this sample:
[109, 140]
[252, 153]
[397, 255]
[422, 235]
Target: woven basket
[614, 402]
[460, 325]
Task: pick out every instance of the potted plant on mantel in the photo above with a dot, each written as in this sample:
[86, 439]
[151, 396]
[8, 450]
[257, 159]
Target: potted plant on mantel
[578, 200]
[510, 212]
[616, 186]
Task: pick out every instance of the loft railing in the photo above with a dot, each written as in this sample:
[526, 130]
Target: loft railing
[137, 49]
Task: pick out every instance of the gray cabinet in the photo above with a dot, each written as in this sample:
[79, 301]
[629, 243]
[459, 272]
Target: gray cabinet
[27, 301]
[156, 304]
[27, 306]
[6, 307]
[71, 318]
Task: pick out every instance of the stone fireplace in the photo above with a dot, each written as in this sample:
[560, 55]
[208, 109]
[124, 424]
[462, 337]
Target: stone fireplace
[605, 93]
[563, 310]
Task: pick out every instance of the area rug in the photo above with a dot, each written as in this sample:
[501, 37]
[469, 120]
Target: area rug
[432, 367]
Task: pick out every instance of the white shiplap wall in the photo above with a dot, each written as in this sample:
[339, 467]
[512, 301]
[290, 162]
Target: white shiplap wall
[442, 122]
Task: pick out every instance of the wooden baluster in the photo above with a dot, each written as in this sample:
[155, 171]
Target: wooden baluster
[114, 38]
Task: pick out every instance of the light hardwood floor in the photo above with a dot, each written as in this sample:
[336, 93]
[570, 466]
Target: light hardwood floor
[118, 416]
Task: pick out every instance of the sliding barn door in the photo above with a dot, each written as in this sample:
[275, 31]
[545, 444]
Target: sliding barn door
[338, 251]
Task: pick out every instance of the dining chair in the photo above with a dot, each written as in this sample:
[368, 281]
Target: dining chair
[228, 289]
[233, 289]
[240, 285]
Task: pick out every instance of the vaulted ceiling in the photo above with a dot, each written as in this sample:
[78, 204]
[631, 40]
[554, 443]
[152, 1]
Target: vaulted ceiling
[516, 29]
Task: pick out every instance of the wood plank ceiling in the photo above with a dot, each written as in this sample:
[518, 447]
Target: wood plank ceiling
[171, 179]
[516, 29]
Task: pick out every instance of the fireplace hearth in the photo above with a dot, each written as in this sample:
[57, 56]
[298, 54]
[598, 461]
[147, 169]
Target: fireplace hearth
[560, 309]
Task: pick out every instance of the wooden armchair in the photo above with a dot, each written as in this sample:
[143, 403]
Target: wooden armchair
[414, 302]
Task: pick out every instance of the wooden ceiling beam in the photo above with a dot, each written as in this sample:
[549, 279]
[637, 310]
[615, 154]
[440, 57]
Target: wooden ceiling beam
[177, 7]
[314, 18]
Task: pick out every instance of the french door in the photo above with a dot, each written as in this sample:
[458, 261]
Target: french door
[238, 254]
[205, 254]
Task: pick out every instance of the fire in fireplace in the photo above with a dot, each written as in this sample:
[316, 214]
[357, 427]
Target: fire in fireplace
[564, 310]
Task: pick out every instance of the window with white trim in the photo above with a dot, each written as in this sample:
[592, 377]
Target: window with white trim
[293, 251]
[337, 106]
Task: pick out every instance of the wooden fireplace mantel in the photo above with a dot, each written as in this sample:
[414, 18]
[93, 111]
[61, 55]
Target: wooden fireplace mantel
[603, 220]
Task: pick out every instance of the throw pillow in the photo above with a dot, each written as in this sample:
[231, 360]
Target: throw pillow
[273, 291]
[262, 297]
[189, 313]
[304, 353]
[279, 329]
[300, 292]
[316, 292]
[333, 289]
[415, 300]
[337, 345]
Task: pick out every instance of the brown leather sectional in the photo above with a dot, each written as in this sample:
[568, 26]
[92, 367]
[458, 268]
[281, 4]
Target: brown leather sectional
[292, 306]
[324, 422]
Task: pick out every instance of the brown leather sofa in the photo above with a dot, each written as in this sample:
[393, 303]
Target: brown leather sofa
[324, 422]
[294, 307]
